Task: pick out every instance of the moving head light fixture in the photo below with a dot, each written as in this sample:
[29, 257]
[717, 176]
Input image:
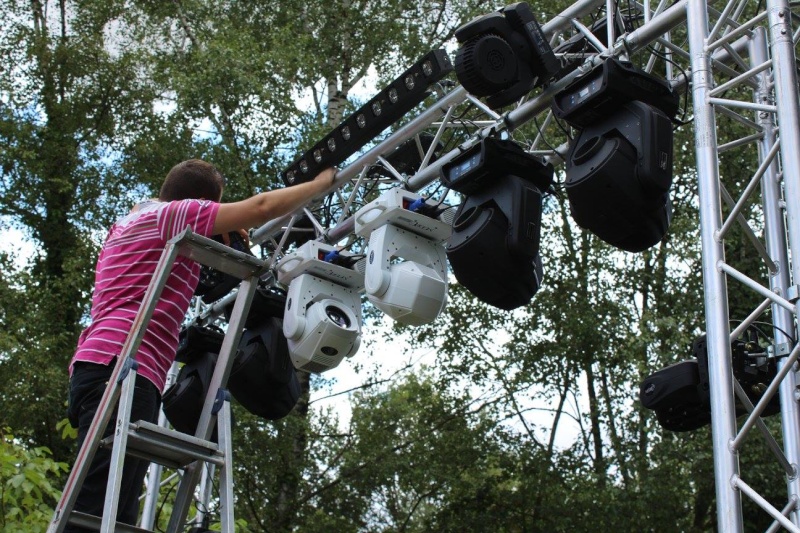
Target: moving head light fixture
[619, 166]
[406, 270]
[322, 317]
[679, 393]
[494, 247]
[504, 55]
[400, 97]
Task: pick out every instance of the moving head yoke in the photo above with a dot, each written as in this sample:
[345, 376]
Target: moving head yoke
[406, 270]
[494, 247]
[504, 55]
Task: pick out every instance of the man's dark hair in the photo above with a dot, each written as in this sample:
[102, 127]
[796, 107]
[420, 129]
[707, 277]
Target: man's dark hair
[193, 178]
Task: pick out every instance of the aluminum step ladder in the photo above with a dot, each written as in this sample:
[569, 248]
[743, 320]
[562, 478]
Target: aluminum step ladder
[155, 443]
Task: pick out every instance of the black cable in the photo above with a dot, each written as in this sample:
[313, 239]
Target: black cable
[775, 327]
[541, 133]
[682, 121]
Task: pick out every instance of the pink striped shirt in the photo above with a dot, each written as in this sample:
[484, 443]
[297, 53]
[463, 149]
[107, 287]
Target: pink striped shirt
[125, 266]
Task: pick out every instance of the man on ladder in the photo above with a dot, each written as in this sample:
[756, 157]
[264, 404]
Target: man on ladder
[190, 196]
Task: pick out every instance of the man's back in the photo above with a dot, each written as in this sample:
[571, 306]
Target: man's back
[125, 267]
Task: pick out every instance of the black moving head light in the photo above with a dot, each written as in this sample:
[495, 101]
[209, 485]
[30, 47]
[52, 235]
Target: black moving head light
[263, 379]
[607, 87]
[679, 394]
[504, 55]
[619, 172]
[494, 247]
[619, 167]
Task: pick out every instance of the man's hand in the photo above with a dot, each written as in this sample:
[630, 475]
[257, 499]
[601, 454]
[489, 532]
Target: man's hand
[326, 176]
[243, 232]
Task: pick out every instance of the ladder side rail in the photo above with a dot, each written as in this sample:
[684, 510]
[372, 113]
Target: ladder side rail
[115, 467]
[112, 393]
[775, 231]
[723, 422]
[226, 470]
[153, 486]
[218, 381]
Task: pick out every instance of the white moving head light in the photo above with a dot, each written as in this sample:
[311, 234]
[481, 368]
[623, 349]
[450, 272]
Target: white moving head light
[322, 318]
[406, 270]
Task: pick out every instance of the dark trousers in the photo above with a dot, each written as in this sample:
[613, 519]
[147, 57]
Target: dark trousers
[86, 388]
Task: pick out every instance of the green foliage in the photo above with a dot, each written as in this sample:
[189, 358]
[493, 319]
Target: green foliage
[29, 480]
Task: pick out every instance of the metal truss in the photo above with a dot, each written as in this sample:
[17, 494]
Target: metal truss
[736, 63]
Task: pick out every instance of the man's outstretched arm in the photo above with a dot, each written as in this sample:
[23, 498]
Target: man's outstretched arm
[266, 206]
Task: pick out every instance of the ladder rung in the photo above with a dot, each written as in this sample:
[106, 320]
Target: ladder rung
[223, 258]
[94, 523]
[166, 446]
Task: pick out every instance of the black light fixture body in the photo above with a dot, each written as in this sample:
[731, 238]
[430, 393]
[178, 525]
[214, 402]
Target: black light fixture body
[263, 379]
[504, 55]
[680, 394]
[608, 86]
[494, 247]
[619, 172]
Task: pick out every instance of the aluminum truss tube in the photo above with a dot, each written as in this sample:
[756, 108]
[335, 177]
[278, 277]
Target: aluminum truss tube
[723, 421]
[775, 231]
[785, 80]
[419, 124]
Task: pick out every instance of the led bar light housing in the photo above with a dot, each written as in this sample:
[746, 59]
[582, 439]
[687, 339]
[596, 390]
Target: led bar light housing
[397, 99]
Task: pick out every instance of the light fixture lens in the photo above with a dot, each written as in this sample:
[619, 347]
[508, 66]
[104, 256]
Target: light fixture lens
[290, 176]
[331, 144]
[346, 133]
[303, 166]
[361, 120]
[427, 68]
[318, 155]
[376, 108]
[393, 96]
[409, 82]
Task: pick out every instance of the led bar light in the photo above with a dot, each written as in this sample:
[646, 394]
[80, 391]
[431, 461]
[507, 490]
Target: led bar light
[397, 99]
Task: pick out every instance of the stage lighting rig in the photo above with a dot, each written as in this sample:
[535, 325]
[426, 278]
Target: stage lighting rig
[322, 317]
[398, 98]
[679, 393]
[504, 55]
[619, 166]
[406, 270]
[494, 247]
